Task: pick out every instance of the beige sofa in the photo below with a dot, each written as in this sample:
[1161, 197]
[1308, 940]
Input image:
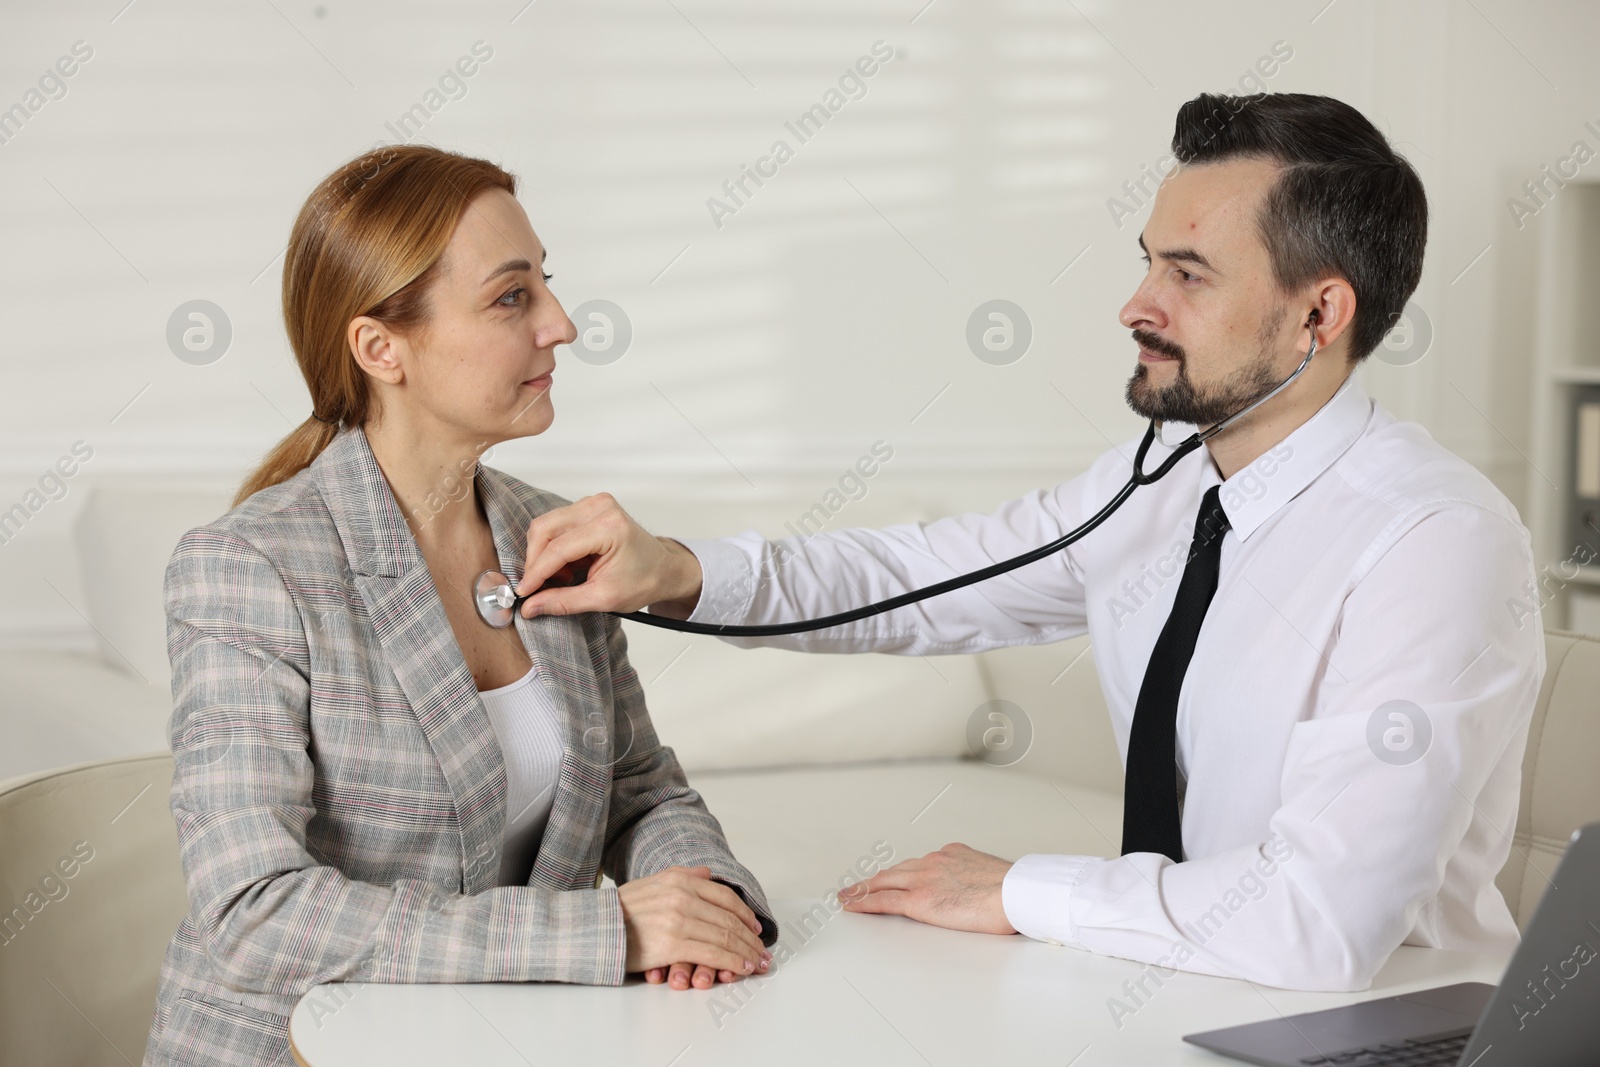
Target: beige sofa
[812, 763]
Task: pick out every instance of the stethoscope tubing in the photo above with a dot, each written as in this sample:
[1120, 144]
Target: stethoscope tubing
[779, 629]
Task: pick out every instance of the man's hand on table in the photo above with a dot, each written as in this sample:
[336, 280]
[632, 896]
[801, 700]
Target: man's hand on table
[956, 887]
[685, 929]
[598, 559]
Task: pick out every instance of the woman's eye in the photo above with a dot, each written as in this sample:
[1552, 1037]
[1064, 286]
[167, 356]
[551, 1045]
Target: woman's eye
[547, 277]
[515, 295]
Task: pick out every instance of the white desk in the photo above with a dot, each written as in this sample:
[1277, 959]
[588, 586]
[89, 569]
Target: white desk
[866, 989]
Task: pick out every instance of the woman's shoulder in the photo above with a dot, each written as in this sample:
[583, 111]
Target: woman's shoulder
[290, 516]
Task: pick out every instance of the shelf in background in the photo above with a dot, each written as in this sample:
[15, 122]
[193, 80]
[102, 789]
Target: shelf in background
[1566, 367]
[1588, 575]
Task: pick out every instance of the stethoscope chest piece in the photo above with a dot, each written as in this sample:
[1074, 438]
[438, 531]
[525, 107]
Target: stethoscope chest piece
[497, 601]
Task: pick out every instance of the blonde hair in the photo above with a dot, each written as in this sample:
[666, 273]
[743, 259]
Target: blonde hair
[367, 241]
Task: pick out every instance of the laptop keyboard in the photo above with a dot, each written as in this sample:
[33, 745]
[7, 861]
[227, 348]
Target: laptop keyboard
[1434, 1052]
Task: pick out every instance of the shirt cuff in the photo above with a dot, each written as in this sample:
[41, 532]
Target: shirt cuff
[1037, 896]
[726, 590]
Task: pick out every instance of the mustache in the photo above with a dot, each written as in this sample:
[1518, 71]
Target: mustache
[1157, 345]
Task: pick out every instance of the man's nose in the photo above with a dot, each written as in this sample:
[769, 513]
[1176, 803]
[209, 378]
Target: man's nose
[1142, 312]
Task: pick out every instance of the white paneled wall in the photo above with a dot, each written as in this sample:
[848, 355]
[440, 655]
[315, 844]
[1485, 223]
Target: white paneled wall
[769, 350]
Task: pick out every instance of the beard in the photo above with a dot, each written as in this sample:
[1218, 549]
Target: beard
[1182, 401]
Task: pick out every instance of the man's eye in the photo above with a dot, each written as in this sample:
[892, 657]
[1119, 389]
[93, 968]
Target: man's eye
[1187, 276]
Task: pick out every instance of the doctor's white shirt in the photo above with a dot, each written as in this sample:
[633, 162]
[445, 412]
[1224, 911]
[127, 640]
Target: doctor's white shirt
[1350, 729]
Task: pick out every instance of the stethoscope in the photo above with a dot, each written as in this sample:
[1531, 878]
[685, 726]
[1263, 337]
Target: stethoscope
[498, 603]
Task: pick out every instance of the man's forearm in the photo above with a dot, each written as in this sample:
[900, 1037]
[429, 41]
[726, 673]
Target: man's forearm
[682, 581]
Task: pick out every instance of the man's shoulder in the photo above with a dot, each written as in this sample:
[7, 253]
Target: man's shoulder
[1398, 465]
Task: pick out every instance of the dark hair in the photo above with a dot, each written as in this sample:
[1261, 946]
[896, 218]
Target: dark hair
[1344, 203]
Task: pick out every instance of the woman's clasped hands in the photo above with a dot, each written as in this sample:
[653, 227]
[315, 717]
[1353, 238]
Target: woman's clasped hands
[686, 930]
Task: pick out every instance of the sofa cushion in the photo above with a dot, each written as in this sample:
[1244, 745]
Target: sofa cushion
[1057, 689]
[125, 536]
[59, 708]
[720, 706]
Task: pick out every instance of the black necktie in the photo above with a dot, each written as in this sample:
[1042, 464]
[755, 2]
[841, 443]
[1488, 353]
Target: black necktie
[1150, 821]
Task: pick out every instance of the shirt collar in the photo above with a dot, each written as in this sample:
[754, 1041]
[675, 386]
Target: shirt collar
[1254, 493]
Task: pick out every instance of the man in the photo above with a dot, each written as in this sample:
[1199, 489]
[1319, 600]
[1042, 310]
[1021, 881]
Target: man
[1301, 630]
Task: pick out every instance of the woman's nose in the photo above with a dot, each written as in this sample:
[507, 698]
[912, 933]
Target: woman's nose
[556, 329]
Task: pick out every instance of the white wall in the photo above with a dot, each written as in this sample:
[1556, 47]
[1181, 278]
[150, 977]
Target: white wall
[823, 316]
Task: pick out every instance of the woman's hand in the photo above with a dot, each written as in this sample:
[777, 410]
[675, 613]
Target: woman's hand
[601, 560]
[679, 919]
[684, 975]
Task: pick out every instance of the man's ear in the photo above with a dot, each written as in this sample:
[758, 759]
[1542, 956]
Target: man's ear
[1335, 304]
[376, 349]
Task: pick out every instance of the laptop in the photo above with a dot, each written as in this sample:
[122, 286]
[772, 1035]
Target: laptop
[1545, 1011]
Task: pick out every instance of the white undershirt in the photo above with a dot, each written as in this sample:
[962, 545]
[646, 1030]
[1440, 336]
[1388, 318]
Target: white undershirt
[528, 725]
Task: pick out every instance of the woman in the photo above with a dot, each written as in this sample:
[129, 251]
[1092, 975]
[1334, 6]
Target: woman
[370, 784]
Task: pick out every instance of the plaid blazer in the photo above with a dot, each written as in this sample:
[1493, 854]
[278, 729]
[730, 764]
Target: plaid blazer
[338, 789]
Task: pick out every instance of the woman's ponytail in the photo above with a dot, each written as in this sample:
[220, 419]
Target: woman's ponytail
[288, 457]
